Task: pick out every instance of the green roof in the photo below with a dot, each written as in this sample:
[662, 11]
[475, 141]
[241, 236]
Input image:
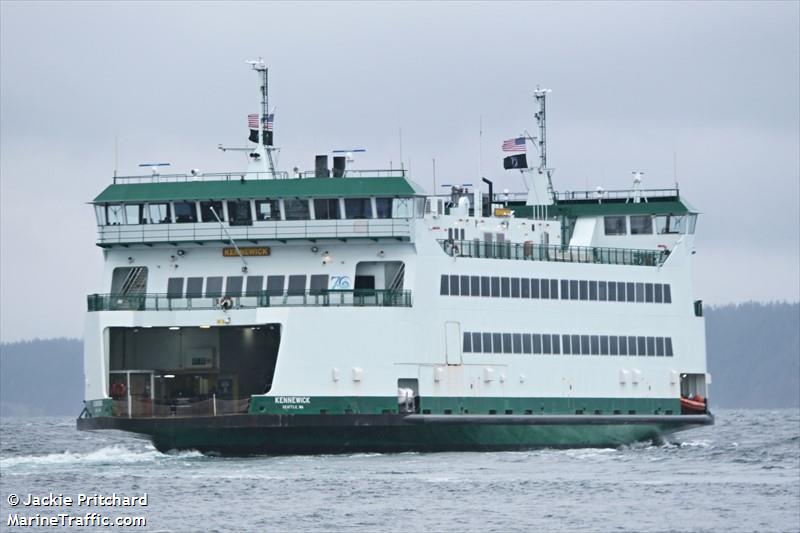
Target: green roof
[657, 206]
[278, 188]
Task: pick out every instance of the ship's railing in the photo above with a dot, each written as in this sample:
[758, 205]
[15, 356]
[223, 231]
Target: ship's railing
[260, 230]
[363, 173]
[618, 194]
[131, 407]
[236, 176]
[555, 253]
[205, 176]
[320, 298]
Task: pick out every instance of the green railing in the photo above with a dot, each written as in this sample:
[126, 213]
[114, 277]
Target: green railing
[322, 298]
[556, 253]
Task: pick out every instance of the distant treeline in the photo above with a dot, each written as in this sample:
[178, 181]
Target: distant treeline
[753, 356]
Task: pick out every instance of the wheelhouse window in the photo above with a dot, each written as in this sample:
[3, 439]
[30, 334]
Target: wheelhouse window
[254, 285]
[641, 225]
[615, 225]
[383, 208]
[100, 213]
[185, 212]
[233, 287]
[296, 209]
[158, 213]
[268, 210]
[357, 208]
[671, 224]
[115, 215]
[134, 214]
[326, 209]
[214, 287]
[239, 213]
[194, 287]
[207, 210]
[175, 288]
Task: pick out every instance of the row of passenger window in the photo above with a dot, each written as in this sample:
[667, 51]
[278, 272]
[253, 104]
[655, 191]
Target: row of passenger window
[236, 286]
[557, 344]
[243, 212]
[553, 289]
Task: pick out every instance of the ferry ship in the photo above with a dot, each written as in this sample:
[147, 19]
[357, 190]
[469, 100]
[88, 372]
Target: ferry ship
[346, 310]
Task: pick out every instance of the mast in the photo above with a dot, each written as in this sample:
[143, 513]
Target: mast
[541, 120]
[263, 72]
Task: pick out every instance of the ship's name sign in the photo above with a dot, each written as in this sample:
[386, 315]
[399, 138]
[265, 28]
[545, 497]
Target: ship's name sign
[293, 402]
[246, 251]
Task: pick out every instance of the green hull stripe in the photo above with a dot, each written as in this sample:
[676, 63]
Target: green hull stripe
[462, 405]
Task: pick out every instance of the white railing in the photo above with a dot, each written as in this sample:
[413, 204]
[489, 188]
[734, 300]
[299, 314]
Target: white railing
[237, 176]
[263, 230]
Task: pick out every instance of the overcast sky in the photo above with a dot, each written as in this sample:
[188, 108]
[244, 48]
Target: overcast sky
[633, 83]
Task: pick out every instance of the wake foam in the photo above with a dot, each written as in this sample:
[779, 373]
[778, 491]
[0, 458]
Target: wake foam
[108, 455]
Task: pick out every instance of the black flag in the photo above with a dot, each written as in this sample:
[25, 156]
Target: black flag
[267, 137]
[515, 161]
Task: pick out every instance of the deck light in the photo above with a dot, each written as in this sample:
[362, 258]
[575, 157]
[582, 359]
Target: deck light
[205, 327]
[326, 257]
[168, 376]
[174, 328]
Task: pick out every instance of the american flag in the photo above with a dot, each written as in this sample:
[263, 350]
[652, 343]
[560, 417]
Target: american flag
[515, 145]
[252, 121]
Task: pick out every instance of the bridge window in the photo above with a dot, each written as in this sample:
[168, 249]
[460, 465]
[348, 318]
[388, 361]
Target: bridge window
[648, 292]
[495, 287]
[545, 289]
[595, 345]
[668, 346]
[159, 213]
[547, 346]
[612, 291]
[115, 215]
[575, 342]
[651, 345]
[573, 289]
[565, 289]
[660, 346]
[515, 287]
[584, 290]
[667, 294]
[383, 207]
[268, 210]
[465, 286]
[357, 208]
[134, 214]
[487, 342]
[504, 287]
[585, 345]
[604, 344]
[185, 212]
[554, 289]
[517, 342]
[659, 293]
[296, 209]
[641, 345]
[444, 285]
[641, 225]
[613, 345]
[593, 290]
[615, 225]
[100, 213]
[535, 288]
[485, 287]
[206, 213]
[326, 209]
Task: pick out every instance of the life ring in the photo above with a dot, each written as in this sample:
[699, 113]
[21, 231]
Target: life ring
[225, 302]
[455, 250]
[118, 390]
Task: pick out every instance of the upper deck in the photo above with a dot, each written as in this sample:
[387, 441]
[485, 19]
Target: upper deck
[255, 206]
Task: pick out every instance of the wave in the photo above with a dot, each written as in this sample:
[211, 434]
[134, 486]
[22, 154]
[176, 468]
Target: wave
[107, 455]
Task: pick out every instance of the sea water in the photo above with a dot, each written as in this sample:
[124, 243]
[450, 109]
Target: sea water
[743, 474]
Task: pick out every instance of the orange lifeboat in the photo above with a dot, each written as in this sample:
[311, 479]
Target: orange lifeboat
[693, 404]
